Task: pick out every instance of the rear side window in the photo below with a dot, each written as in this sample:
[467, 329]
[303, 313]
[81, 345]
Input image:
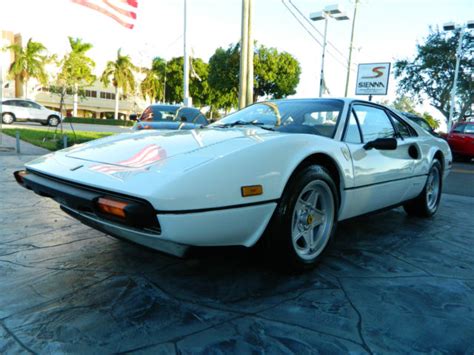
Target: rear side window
[469, 129]
[352, 131]
[402, 127]
[200, 119]
[9, 102]
[374, 123]
[459, 128]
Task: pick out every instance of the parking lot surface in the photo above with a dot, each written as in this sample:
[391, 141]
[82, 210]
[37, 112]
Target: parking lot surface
[388, 284]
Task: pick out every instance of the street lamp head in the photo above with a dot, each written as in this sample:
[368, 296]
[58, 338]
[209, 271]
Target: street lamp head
[317, 16]
[341, 17]
[333, 9]
[449, 26]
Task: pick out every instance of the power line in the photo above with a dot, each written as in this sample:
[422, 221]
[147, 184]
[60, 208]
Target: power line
[312, 36]
[315, 28]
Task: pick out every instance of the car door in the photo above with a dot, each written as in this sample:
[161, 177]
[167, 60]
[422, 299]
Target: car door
[19, 109]
[381, 177]
[456, 136]
[34, 111]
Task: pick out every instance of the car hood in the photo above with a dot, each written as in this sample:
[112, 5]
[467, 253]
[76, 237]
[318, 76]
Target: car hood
[144, 148]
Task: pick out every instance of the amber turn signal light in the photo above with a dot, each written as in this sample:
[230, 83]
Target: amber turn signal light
[112, 207]
[19, 176]
[253, 190]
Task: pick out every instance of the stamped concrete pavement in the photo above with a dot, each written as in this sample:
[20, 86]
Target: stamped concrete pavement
[388, 284]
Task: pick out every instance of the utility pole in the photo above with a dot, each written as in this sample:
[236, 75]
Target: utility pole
[243, 75]
[349, 61]
[186, 99]
[249, 100]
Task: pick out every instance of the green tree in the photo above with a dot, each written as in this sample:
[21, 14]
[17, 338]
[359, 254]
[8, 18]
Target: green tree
[120, 73]
[224, 77]
[152, 86]
[276, 74]
[405, 104]
[431, 73]
[198, 84]
[76, 69]
[29, 63]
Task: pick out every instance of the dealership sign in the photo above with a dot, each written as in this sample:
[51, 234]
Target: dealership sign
[372, 79]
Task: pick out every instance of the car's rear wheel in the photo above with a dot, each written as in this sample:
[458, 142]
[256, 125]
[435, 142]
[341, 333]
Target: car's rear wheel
[53, 121]
[8, 118]
[304, 220]
[427, 202]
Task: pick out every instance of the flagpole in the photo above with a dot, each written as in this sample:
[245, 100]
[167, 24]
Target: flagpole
[186, 98]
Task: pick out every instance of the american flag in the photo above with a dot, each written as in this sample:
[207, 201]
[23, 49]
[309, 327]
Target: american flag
[150, 154]
[122, 11]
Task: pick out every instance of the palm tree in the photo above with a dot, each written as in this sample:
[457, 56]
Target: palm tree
[29, 63]
[77, 67]
[121, 72]
[152, 86]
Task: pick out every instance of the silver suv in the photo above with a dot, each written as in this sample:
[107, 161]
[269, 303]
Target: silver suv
[28, 110]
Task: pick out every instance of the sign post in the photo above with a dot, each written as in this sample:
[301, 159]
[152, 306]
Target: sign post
[372, 79]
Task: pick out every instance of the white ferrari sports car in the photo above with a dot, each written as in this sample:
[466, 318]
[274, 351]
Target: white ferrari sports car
[283, 172]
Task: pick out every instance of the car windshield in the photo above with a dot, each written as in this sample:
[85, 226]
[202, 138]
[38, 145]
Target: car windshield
[158, 113]
[469, 129]
[293, 116]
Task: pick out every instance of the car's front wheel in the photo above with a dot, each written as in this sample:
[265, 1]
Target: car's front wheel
[304, 220]
[427, 202]
[8, 118]
[53, 121]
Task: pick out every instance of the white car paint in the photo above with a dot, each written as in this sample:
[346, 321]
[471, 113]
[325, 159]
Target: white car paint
[193, 178]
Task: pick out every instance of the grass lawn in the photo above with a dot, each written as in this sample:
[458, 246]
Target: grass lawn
[47, 139]
[99, 121]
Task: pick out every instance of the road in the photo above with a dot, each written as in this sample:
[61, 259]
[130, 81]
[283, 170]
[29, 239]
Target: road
[461, 180]
[76, 126]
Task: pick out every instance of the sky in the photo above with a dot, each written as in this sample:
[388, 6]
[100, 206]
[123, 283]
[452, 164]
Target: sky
[385, 30]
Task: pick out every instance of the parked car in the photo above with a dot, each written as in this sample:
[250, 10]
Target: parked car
[421, 122]
[461, 140]
[27, 110]
[286, 171]
[171, 117]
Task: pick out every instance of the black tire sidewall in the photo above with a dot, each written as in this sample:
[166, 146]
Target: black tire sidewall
[280, 231]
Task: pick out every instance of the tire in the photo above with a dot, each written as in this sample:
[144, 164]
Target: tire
[8, 118]
[43, 123]
[304, 221]
[53, 121]
[427, 202]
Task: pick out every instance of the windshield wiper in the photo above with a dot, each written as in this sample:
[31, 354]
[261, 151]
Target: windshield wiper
[245, 123]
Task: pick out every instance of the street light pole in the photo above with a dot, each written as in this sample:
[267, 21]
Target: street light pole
[455, 83]
[322, 83]
[329, 11]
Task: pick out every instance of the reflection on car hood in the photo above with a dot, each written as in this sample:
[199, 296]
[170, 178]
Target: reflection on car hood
[140, 149]
[171, 125]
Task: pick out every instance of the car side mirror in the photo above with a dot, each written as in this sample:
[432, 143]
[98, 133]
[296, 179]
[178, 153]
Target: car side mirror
[133, 117]
[382, 144]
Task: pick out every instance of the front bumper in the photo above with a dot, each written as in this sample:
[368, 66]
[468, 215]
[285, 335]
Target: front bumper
[170, 232]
